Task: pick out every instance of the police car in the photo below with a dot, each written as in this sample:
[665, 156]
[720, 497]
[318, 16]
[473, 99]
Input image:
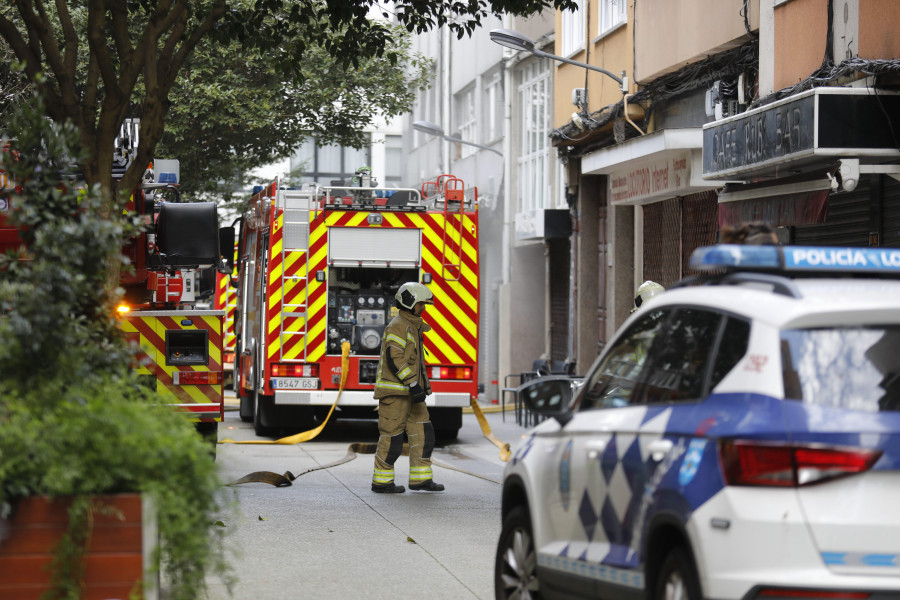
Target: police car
[739, 438]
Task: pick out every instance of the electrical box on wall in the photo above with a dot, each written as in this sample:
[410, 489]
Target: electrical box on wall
[579, 97]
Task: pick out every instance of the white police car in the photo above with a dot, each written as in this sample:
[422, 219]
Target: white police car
[735, 440]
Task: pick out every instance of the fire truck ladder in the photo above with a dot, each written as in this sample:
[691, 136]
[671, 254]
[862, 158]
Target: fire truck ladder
[453, 191]
[297, 205]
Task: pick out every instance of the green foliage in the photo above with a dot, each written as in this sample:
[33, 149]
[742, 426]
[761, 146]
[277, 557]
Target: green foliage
[234, 110]
[74, 420]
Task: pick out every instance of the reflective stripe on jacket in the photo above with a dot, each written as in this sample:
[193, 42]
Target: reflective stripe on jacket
[402, 346]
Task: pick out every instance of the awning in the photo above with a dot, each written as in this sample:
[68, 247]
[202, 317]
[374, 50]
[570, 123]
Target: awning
[778, 211]
[800, 200]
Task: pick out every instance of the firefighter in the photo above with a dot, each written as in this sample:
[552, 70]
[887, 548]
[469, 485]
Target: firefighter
[647, 290]
[401, 387]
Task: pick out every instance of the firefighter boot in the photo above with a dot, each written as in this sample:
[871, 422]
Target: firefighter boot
[389, 488]
[427, 486]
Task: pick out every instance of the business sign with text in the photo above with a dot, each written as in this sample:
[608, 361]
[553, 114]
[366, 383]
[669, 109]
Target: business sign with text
[824, 122]
[659, 178]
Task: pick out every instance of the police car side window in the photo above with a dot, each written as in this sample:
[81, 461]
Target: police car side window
[615, 381]
[732, 348]
[680, 361]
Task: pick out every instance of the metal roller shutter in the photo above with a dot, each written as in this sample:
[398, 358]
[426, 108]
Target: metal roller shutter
[699, 225]
[559, 298]
[662, 242]
[848, 222]
[890, 229]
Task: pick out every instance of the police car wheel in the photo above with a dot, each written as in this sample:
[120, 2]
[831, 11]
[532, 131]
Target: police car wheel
[515, 567]
[677, 578]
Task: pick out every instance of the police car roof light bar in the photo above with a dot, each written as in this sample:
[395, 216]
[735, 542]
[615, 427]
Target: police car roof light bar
[797, 260]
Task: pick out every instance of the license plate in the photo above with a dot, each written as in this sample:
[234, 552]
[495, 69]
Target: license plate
[295, 383]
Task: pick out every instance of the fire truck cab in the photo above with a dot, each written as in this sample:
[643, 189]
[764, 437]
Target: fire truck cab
[321, 265]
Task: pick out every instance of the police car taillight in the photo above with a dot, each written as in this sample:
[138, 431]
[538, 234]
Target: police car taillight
[450, 373]
[294, 370]
[784, 465]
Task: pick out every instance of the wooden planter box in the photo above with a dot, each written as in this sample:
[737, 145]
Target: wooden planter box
[117, 557]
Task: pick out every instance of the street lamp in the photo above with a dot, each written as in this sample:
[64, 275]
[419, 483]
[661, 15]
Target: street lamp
[517, 41]
[433, 129]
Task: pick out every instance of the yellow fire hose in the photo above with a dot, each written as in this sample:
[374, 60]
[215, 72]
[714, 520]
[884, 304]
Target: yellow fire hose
[355, 448]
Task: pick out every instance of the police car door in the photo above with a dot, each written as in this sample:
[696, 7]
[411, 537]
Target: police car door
[590, 529]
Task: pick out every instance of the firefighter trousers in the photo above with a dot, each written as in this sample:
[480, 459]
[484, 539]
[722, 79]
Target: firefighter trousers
[397, 414]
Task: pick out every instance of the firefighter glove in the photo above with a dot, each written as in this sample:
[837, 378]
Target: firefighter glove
[417, 393]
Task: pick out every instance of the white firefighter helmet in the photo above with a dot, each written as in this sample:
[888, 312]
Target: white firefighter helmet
[411, 293]
[647, 290]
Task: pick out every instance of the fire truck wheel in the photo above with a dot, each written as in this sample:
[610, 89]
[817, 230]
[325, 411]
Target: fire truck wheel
[210, 433]
[263, 413]
[246, 411]
[446, 422]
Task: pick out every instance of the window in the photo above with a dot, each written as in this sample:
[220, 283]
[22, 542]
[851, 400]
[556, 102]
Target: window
[732, 348]
[615, 379]
[492, 109]
[327, 164]
[677, 365]
[573, 29]
[612, 14]
[393, 159]
[856, 368]
[465, 120]
[426, 109]
[534, 135]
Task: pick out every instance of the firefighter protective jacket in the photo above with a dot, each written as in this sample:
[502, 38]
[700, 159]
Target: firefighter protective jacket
[402, 362]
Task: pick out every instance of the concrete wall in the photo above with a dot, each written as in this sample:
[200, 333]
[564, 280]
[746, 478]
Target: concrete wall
[670, 35]
[877, 21]
[801, 30]
[523, 330]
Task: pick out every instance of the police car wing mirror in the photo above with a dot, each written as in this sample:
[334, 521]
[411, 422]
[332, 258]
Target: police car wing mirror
[548, 396]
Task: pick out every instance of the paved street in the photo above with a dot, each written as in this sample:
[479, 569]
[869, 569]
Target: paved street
[329, 536]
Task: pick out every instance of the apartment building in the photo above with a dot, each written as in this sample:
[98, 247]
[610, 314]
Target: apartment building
[680, 118]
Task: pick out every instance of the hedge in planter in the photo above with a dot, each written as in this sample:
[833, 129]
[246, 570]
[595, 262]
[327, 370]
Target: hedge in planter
[74, 421]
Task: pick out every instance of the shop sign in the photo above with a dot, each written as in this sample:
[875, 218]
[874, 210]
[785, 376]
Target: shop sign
[812, 129]
[659, 178]
[759, 137]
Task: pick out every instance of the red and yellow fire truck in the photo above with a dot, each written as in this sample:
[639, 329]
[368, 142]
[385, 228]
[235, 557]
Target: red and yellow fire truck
[321, 265]
[226, 300]
[179, 348]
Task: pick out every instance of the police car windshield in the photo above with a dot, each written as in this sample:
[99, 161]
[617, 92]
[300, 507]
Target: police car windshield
[852, 368]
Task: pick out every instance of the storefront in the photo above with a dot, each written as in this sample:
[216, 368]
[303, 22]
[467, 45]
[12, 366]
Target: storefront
[675, 209]
[822, 164]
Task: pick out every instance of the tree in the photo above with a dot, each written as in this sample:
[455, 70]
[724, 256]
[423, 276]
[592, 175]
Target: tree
[129, 74]
[233, 110]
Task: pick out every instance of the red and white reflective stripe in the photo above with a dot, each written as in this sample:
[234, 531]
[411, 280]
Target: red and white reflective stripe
[197, 377]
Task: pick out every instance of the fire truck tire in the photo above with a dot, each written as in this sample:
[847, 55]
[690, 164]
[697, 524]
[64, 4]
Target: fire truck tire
[263, 413]
[210, 433]
[246, 410]
[447, 422]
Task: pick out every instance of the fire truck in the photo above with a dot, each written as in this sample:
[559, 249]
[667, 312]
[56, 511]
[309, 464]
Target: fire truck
[226, 300]
[178, 347]
[320, 265]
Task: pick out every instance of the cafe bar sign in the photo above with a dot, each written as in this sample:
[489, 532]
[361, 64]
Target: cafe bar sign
[802, 132]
